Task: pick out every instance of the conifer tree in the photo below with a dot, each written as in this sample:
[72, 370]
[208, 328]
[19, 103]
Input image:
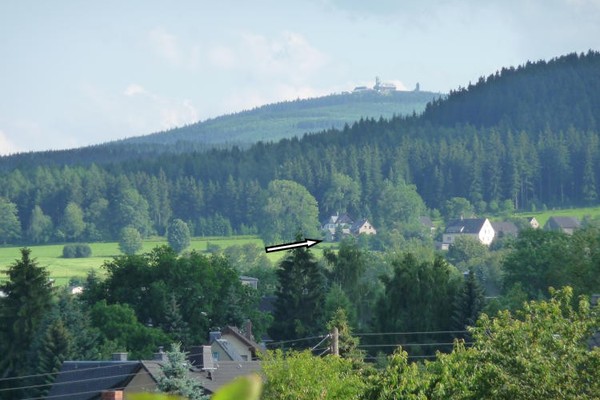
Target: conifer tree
[300, 296]
[28, 296]
[468, 304]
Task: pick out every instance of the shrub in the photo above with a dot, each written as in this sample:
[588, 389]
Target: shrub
[77, 250]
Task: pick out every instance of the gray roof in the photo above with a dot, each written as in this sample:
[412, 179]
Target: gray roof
[358, 224]
[83, 380]
[229, 349]
[467, 225]
[225, 372]
[505, 228]
[426, 221]
[562, 223]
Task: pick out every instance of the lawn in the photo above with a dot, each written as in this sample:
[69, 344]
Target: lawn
[62, 269]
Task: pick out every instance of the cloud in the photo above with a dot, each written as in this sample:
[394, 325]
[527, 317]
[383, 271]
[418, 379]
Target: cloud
[6, 146]
[290, 54]
[222, 57]
[134, 89]
[166, 46]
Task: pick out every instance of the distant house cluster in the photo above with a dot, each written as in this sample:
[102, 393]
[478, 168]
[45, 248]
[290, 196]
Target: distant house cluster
[340, 225]
[228, 354]
[486, 231]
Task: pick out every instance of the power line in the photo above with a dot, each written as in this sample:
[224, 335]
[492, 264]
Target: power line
[407, 333]
[409, 344]
[296, 340]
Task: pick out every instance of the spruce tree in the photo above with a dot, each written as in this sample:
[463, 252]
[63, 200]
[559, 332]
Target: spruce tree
[300, 296]
[175, 379]
[28, 296]
[468, 304]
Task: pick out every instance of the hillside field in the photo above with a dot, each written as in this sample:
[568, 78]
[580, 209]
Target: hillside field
[579, 213]
[62, 269]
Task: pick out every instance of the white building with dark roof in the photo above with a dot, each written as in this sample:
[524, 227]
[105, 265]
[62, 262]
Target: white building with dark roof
[478, 228]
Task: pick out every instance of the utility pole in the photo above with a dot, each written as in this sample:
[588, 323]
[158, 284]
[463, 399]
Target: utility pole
[335, 336]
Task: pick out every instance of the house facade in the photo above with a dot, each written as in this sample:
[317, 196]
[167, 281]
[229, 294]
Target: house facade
[478, 228]
[363, 227]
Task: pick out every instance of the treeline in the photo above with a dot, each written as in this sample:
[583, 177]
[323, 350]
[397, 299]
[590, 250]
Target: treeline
[222, 192]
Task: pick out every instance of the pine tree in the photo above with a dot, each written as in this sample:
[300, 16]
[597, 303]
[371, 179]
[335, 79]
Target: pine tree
[468, 304]
[53, 348]
[300, 296]
[28, 296]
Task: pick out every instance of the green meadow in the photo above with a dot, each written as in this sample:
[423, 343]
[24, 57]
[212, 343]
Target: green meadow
[62, 269]
[580, 213]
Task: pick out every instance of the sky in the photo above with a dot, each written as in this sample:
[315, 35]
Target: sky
[76, 73]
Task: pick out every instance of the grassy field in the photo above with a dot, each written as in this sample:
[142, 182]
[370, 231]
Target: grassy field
[62, 269]
[580, 213]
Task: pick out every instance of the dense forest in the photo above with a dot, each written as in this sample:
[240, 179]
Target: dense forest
[517, 135]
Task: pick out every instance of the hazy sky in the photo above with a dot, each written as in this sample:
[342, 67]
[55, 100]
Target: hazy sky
[74, 73]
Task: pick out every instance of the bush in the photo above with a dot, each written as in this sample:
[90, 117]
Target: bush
[77, 250]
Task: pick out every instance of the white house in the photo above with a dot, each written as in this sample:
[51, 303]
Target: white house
[478, 228]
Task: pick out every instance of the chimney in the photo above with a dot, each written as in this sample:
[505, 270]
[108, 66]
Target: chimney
[112, 395]
[214, 335]
[160, 355]
[208, 363]
[248, 330]
[119, 356]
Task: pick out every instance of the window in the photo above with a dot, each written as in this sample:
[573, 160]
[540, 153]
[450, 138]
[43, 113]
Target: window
[215, 356]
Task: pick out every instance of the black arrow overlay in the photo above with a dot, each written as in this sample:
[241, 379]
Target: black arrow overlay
[280, 247]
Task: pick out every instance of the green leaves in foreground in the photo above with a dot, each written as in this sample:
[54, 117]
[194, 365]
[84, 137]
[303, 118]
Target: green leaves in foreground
[242, 388]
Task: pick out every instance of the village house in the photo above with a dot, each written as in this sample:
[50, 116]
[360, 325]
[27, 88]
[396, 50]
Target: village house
[533, 222]
[478, 228]
[342, 224]
[566, 225]
[505, 228]
[362, 227]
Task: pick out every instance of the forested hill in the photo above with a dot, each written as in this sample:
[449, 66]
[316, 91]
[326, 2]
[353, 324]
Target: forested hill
[267, 123]
[294, 118]
[367, 169]
[558, 94]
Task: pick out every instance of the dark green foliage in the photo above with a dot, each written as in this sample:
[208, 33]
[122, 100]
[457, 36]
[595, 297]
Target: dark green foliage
[186, 295]
[120, 330]
[543, 259]
[28, 295]
[300, 297]
[178, 235]
[77, 250]
[418, 298]
[539, 260]
[468, 304]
